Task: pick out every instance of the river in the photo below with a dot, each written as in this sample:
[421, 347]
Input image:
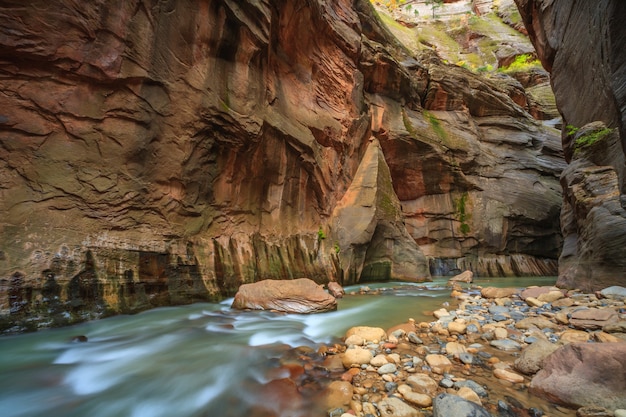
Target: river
[196, 360]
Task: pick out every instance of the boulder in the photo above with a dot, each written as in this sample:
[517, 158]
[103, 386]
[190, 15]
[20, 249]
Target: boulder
[574, 336]
[466, 276]
[415, 398]
[494, 292]
[438, 363]
[584, 374]
[538, 322]
[535, 292]
[592, 318]
[356, 356]
[291, 296]
[335, 289]
[392, 406]
[367, 333]
[615, 327]
[422, 383]
[337, 394]
[449, 405]
[508, 375]
[531, 359]
[615, 291]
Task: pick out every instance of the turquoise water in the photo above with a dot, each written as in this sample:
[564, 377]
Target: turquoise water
[196, 360]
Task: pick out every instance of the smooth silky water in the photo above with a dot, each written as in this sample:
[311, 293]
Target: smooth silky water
[196, 360]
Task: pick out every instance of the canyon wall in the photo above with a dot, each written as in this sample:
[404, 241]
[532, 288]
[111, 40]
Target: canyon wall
[582, 44]
[156, 153]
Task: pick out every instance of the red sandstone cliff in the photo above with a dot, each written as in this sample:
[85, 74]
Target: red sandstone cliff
[164, 152]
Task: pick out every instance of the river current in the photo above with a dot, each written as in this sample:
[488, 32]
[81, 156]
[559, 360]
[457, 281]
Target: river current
[197, 360]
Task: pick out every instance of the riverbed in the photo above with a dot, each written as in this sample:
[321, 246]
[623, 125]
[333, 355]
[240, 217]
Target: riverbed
[197, 360]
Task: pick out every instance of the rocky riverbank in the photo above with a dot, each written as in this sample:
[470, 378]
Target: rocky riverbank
[541, 351]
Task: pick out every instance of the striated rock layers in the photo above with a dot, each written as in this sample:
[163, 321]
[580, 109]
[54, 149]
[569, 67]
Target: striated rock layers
[155, 153]
[581, 44]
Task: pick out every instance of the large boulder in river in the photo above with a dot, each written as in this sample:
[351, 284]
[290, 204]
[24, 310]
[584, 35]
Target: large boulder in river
[584, 374]
[292, 296]
[465, 276]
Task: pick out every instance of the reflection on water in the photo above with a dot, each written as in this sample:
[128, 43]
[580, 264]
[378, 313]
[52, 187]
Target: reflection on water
[196, 360]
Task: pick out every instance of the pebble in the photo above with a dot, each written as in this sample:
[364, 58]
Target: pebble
[466, 358]
[413, 338]
[508, 375]
[477, 388]
[481, 338]
[446, 383]
[505, 344]
[387, 368]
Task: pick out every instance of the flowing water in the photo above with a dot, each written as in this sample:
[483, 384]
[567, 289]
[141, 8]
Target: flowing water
[196, 360]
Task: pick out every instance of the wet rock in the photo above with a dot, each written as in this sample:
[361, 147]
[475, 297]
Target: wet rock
[292, 296]
[467, 358]
[446, 383]
[506, 344]
[415, 398]
[392, 406]
[413, 338]
[422, 383]
[379, 360]
[603, 337]
[469, 395]
[338, 394]
[442, 312]
[474, 386]
[574, 336]
[449, 405]
[438, 363]
[455, 348]
[535, 322]
[456, 327]
[593, 412]
[614, 291]
[532, 357]
[466, 276]
[356, 356]
[508, 375]
[536, 292]
[615, 327]
[592, 318]
[335, 289]
[369, 334]
[79, 339]
[534, 302]
[584, 374]
[493, 292]
[387, 368]
[500, 333]
[355, 340]
[550, 297]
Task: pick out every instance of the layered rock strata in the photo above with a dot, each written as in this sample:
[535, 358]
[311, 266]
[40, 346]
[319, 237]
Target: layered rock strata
[581, 44]
[155, 153]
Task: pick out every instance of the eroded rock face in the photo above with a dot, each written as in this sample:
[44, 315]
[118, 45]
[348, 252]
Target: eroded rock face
[588, 75]
[155, 154]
